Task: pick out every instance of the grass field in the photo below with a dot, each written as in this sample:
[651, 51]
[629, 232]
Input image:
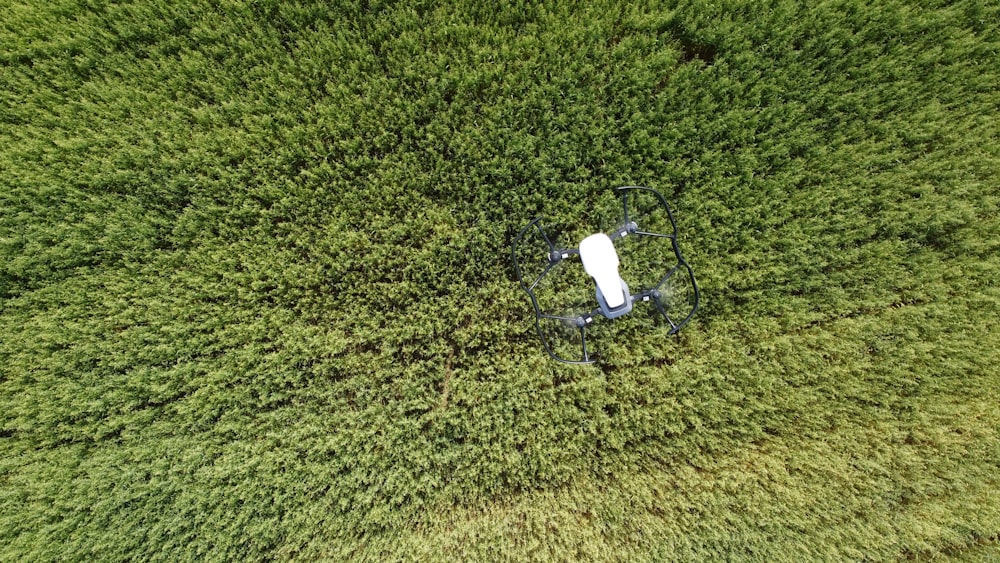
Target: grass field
[257, 302]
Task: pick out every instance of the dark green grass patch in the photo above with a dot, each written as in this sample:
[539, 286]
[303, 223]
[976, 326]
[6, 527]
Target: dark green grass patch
[256, 297]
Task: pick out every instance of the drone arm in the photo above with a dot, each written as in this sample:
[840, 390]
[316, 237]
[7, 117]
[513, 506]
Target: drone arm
[580, 322]
[531, 288]
[624, 190]
[659, 307]
[644, 233]
[554, 257]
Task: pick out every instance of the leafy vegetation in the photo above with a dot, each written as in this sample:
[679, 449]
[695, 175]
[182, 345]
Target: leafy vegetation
[256, 298]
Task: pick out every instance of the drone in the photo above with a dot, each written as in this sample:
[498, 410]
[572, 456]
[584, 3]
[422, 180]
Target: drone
[674, 296]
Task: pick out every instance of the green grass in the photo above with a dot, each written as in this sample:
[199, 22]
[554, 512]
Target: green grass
[256, 299]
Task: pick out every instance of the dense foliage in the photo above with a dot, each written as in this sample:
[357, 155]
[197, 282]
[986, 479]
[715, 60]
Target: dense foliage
[256, 298]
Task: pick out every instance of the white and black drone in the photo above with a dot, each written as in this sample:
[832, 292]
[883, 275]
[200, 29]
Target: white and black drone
[600, 261]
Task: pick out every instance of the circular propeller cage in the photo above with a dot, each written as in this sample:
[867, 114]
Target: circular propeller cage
[567, 302]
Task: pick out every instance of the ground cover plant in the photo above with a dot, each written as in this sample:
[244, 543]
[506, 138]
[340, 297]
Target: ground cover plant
[256, 299]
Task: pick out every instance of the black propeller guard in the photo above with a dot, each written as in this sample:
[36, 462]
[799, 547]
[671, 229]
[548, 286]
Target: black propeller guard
[556, 256]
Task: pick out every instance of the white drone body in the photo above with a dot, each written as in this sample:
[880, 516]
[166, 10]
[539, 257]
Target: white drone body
[600, 261]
